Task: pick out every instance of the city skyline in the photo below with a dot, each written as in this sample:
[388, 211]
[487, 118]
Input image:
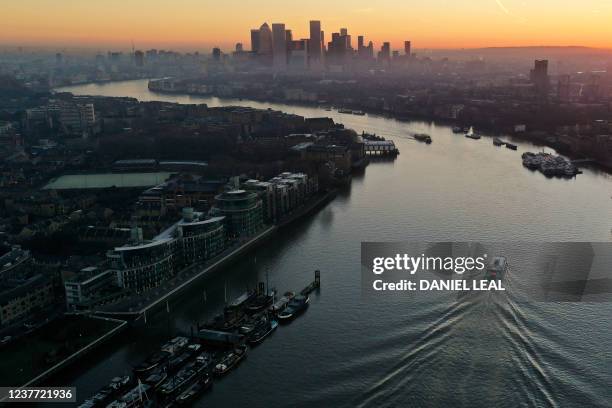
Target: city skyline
[204, 25]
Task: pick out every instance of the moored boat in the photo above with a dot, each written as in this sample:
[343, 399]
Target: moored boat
[281, 303]
[511, 146]
[497, 141]
[152, 362]
[263, 331]
[296, 306]
[203, 384]
[156, 378]
[230, 360]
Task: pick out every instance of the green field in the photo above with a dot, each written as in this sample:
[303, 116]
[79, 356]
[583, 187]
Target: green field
[107, 180]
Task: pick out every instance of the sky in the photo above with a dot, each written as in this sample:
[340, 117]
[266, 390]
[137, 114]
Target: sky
[202, 24]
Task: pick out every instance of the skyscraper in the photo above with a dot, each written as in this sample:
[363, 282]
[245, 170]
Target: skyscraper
[139, 58]
[255, 40]
[539, 78]
[315, 44]
[407, 46]
[279, 47]
[265, 40]
[384, 55]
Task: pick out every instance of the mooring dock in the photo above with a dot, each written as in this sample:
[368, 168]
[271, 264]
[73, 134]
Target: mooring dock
[380, 148]
[314, 285]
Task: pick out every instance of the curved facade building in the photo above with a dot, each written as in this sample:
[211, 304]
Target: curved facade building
[201, 240]
[242, 211]
[145, 266]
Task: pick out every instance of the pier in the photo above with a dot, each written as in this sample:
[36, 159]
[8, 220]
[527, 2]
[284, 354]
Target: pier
[380, 148]
[191, 364]
[314, 285]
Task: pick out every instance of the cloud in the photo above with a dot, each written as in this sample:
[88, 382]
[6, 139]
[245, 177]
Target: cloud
[502, 7]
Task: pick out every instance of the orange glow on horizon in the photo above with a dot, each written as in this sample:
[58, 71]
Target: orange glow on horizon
[200, 25]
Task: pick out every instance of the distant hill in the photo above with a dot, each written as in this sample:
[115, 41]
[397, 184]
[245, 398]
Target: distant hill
[530, 52]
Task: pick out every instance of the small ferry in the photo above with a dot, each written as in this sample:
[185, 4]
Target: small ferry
[511, 146]
[497, 268]
[296, 306]
[230, 361]
[422, 137]
[472, 135]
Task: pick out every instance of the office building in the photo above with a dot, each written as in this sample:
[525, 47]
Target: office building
[407, 48]
[279, 47]
[242, 211]
[539, 78]
[265, 40]
[255, 41]
[87, 287]
[315, 45]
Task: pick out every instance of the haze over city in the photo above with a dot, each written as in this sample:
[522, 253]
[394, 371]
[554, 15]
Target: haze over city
[189, 24]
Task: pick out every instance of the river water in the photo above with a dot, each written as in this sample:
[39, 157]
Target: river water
[387, 350]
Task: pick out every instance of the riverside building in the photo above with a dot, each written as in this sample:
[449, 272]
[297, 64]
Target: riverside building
[283, 193]
[143, 265]
[242, 210]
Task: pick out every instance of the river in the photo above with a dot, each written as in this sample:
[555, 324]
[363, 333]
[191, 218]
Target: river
[355, 350]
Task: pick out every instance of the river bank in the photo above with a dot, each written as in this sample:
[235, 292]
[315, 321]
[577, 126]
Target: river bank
[349, 350]
[532, 137]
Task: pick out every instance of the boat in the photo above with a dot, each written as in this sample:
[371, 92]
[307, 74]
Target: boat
[258, 304]
[156, 378]
[177, 362]
[263, 331]
[497, 268]
[187, 396]
[422, 137]
[183, 378]
[511, 146]
[113, 389]
[359, 113]
[281, 303]
[136, 397]
[344, 110]
[230, 360]
[242, 300]
[497, 141]
[175, 345]
[472, 135]
[152, 362]
[457, 129]
[296, 306]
